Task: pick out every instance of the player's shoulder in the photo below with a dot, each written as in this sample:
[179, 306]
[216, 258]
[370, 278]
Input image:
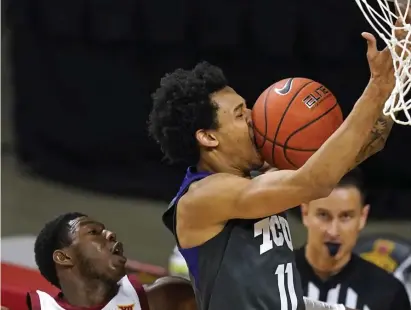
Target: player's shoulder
[218, 179]
[215, 185]
[207, 201]
[171, 293]
[37, 300]
[377, 274]
[171, 286]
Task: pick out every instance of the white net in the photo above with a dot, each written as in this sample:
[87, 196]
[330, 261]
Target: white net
[382, 16]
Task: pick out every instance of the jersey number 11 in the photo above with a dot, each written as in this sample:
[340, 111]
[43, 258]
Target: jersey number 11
[281, 271]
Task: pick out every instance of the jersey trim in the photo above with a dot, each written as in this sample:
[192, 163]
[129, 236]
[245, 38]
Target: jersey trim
[33, 301]
[191, 256]
[141, 293]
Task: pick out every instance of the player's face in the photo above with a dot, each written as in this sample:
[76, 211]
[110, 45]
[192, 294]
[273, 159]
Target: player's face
[95, 251]
[337, 219]
[235, 134]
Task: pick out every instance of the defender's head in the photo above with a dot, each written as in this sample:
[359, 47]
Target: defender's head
[334, 223]
[76, 246]
[196, 114]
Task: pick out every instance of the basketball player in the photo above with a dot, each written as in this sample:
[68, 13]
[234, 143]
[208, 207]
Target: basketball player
[84, 259]
[329, 270]
[231, 229]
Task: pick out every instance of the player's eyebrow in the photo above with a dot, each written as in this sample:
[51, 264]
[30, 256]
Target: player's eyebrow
[239, 107]
[91, 222]
[347, 212]
[322, 210]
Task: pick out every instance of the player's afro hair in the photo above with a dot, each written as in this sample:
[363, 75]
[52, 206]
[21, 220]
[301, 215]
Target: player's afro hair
[181, 106]
[53, 236]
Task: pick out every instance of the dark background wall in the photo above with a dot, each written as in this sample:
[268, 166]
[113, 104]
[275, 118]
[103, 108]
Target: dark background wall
[84, 71]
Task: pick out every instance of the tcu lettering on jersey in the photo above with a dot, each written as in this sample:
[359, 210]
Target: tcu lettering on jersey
[274, 230]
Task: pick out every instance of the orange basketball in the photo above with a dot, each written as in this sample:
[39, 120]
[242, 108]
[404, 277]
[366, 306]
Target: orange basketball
[292, 119]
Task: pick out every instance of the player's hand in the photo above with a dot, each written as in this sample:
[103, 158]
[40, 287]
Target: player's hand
[400, 33]
[380, 63]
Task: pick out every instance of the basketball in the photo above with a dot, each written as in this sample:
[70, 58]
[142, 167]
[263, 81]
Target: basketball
[292, 119]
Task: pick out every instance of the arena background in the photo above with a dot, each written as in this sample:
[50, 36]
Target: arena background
[76, 80]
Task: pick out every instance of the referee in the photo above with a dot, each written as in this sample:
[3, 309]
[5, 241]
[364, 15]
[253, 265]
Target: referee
[329, 271]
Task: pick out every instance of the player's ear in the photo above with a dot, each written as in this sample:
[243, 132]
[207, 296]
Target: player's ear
[62, 258]
[304, 212]
[206, 138]
[364, 216]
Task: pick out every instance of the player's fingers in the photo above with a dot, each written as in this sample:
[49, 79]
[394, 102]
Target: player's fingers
[403, 10]
[400, 22]
[371, 44]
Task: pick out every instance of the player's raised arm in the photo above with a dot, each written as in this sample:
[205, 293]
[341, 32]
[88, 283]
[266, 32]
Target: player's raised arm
[382, 127]
[275, 192]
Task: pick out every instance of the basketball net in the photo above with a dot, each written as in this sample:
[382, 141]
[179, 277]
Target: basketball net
[382, 19]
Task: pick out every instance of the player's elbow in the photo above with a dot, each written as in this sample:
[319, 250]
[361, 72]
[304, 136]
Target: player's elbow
[318, 191]
[315, 188]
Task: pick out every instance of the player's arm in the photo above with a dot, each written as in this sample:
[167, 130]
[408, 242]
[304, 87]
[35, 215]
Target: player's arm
[382, 127]
[274, 192]
[171, 293]
[376, 139]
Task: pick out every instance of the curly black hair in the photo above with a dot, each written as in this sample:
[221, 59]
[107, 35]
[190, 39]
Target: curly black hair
[181, 106]
[53, 236]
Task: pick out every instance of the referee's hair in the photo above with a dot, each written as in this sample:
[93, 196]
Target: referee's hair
[53, 236]
[355, 178]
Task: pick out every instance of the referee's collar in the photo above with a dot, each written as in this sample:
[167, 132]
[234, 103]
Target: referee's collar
[333, 280]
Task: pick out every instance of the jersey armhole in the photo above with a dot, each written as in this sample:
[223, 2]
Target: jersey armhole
[141, 293]
[33, 301]
[175, 224]
[170, 216]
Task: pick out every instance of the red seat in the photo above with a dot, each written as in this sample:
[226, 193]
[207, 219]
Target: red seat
[16, 281]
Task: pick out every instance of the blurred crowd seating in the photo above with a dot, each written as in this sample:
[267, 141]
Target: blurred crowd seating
[84, 71]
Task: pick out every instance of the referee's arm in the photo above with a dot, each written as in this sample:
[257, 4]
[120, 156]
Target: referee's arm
[401, 301]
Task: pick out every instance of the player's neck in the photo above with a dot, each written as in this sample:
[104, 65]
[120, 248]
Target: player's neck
[88, 293]
[219, 164]
[323, 265]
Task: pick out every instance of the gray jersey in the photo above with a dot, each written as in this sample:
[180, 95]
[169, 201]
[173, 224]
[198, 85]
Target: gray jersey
[248, 265]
